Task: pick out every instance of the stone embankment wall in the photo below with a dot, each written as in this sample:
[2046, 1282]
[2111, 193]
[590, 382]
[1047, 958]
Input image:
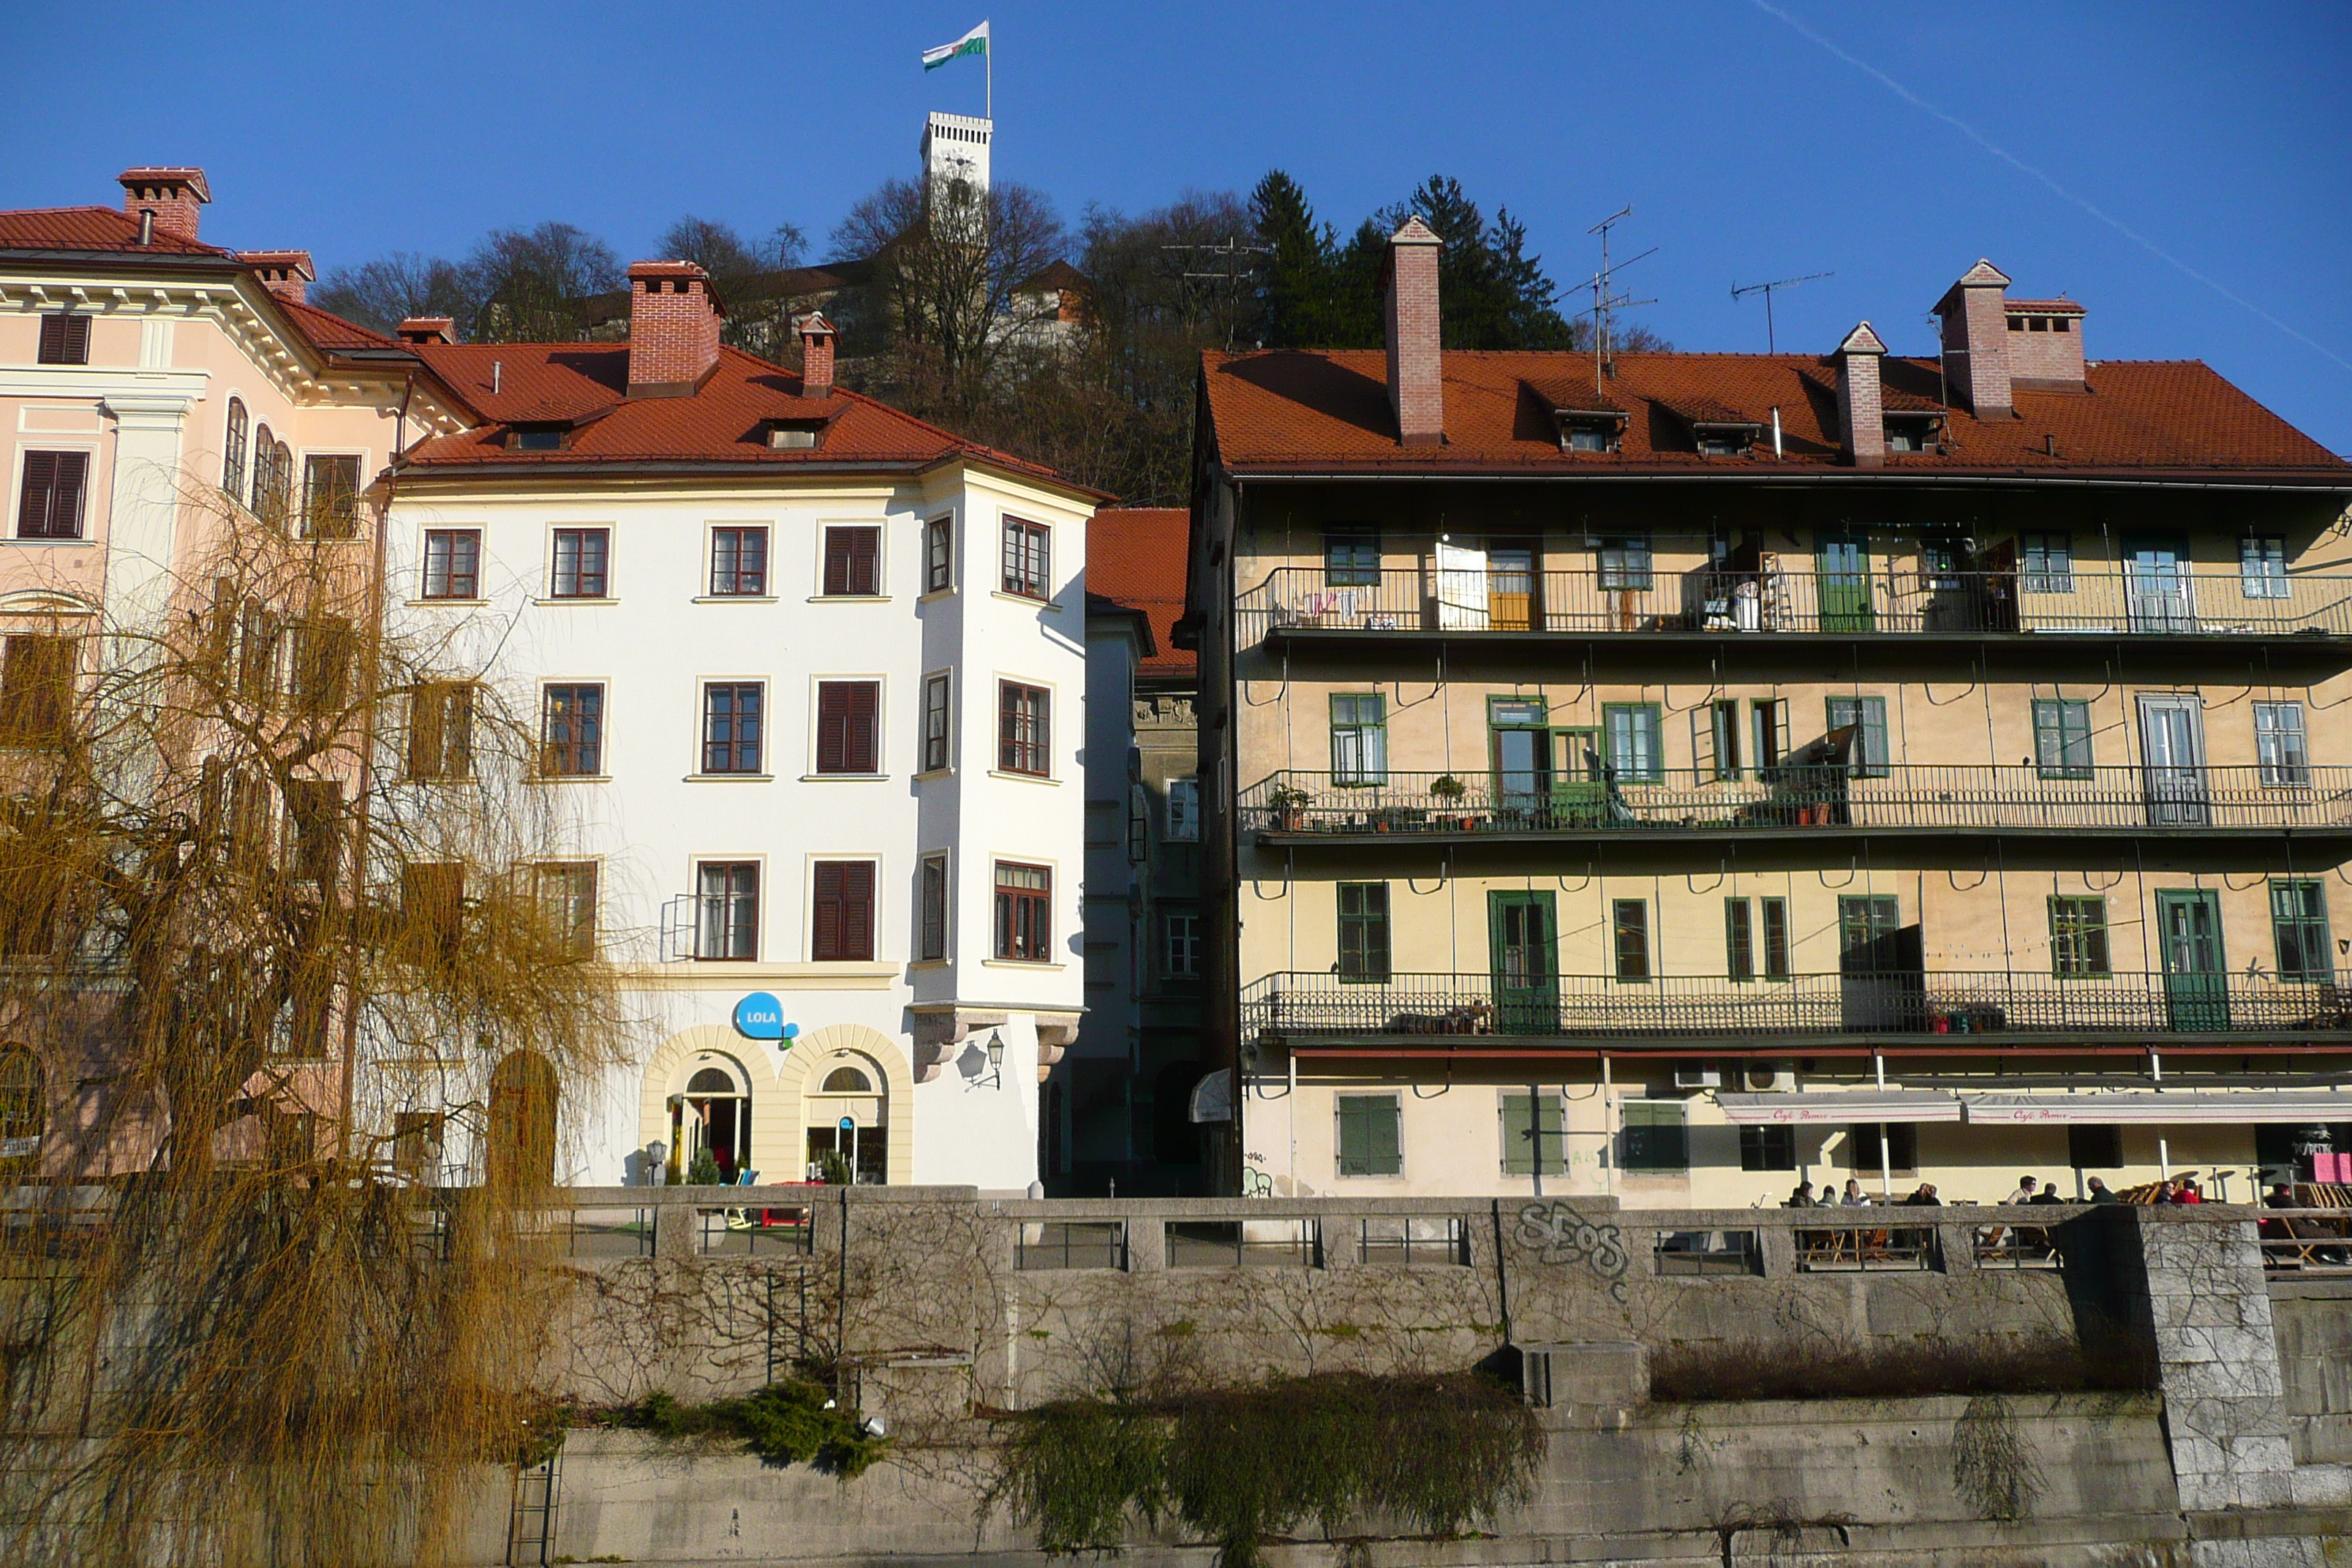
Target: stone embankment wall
[945, 1313]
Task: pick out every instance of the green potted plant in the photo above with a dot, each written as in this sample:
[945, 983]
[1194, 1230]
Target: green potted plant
[1450, 789]
[1289, 806]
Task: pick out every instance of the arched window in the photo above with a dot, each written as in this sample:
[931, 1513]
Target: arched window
[522, 1122]
[846, 1080]
[265, 464]
[281, 484]
[710, 1080]
[24, 1103]
[233, 452]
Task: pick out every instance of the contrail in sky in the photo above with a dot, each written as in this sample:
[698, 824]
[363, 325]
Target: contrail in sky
[2014, 162]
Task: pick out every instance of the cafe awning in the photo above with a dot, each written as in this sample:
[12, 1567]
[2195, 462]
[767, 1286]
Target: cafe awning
[1845, 1106]
[2163, 1105]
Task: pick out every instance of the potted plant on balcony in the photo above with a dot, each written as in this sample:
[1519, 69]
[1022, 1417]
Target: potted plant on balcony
[1288, 804]
[1450, 791]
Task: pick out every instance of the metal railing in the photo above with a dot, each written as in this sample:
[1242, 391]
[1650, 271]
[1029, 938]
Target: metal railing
[1867, 1248]
[1902, 797]
[1301, 1003]
[1697, 1253]
[1244, 1243]
[1071, 1243]
[1441, 1239]
[2014, 1247]
[1795, 595]
[2307, 1242]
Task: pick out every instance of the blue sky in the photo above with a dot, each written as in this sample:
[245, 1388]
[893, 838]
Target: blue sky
[2219, 133]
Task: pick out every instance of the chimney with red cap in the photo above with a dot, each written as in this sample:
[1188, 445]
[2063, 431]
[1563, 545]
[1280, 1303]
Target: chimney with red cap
[174, 196]
[1416, 374]
[285, 273]
[1976, 341]
[1862, 403]
[427, 329]
[674, 316]
[817, 355]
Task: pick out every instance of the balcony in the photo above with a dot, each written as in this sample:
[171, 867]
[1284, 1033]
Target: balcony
[1789, 597]
[1468, 1012]
[1808, 802]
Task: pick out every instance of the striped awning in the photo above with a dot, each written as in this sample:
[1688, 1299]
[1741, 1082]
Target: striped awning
[2245, 1105]
[1844, 1105]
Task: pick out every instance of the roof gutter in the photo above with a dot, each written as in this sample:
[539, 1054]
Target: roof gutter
[2338, 484]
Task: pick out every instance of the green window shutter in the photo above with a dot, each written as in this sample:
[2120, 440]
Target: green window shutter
[1656, 1140]
[1369, 1141]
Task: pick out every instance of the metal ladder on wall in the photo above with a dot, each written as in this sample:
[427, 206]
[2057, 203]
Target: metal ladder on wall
[530, 1522]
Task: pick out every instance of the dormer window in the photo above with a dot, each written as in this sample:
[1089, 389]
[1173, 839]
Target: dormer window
[1589, 430]
[536, 438]
[1917, 433]
[1724, 440]
[794, 434]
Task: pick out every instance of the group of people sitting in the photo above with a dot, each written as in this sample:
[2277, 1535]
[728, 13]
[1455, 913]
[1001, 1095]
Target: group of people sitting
[2029, 1191]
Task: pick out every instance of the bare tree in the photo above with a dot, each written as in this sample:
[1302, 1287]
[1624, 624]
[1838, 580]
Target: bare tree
[534, 283]
[718, 249]
[276, 950]
[946, 260]
[388, 291]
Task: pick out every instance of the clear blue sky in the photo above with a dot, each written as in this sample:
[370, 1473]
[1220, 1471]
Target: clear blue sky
[2222, 133]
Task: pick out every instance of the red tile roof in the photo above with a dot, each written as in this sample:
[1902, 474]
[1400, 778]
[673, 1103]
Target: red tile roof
[2043, 307]
[331, 332]
[1136, 557]
[1287, 411]
[725, 420]
[90, 228]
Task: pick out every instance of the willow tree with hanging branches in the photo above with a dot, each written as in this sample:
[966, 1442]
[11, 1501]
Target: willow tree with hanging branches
[288, 993]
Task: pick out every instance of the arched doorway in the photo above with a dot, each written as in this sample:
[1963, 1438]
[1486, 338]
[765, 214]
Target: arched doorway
[711, 1114]
[24, 1103]
[847, 1112]
[522, 1142]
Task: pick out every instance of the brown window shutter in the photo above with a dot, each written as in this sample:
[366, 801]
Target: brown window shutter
[865, 560]
[836, 561]
[40, 485]
[825, 940]
[857, 909]
[832, 728]
[860, 754]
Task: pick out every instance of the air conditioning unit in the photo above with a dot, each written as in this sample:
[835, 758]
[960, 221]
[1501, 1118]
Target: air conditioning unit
[1766, 1077]
[1698, 1078]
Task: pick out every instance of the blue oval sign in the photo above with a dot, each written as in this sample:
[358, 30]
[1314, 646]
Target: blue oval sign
[760, 1016]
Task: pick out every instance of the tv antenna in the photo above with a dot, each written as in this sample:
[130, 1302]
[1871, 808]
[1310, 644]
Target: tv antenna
[1606, 301]
[1227, 266]
[1771, 343]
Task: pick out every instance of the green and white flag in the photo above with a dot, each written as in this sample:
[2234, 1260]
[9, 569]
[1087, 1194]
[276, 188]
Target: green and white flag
[973, 43]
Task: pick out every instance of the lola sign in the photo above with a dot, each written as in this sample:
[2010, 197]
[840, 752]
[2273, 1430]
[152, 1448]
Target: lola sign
[760, 1016]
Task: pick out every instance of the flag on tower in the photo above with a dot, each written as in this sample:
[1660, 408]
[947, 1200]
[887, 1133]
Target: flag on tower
[973, 43]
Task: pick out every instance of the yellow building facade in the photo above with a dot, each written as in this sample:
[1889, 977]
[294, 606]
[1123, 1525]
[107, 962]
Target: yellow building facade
[1654, 786]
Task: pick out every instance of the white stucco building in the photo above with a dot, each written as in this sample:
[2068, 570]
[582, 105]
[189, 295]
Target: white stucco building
[810, 674]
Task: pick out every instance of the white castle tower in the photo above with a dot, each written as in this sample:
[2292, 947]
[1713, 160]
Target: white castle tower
[955, 149]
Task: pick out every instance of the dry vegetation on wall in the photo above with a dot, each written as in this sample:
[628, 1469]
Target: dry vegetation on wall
[1239, 1465]
[243, 930]
[2047, 1363]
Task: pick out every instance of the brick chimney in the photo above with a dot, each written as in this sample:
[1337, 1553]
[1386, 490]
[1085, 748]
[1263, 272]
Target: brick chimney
[285, 273]
[1861, 409]
[817, 355]
[174, 196]
[428, 329]
[1416, 365]
[2045, 344]
[1976, 347]
[674, 316]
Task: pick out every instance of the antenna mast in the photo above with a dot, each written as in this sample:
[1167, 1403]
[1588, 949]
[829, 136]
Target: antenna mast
[1771, 342]
[1606, 302]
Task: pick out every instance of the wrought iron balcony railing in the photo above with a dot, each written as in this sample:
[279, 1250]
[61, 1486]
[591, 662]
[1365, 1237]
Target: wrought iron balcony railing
[1796, 596]
[1597, 801]
[1772, 1011]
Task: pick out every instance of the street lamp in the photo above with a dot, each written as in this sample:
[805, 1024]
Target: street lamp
[996, 1057]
